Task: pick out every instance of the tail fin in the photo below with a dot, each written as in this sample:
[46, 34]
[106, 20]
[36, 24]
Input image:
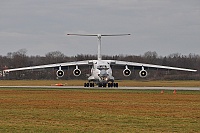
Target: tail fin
[99, 39]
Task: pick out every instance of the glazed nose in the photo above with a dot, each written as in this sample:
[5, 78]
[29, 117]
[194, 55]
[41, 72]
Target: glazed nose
[103, 73]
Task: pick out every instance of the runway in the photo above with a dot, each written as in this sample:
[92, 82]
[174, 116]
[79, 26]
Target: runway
[118, 88]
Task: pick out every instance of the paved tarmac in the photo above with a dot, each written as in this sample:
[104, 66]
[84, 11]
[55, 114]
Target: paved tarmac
[119, 88]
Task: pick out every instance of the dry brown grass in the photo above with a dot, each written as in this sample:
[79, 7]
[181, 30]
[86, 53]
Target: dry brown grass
[189, 83]
[41, 82]
[44, 110]
[176, 83]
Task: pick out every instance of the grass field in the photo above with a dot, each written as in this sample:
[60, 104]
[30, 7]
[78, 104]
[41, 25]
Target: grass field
[82, 110]
[144, 83]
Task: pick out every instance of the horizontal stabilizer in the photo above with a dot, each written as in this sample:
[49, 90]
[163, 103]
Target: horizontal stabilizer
[99, 39]
[99, 34]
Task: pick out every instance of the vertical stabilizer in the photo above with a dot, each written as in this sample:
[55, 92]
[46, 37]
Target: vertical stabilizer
[99, 47]
[99, 40]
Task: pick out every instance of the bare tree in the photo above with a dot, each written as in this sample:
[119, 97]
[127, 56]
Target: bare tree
[20, 59]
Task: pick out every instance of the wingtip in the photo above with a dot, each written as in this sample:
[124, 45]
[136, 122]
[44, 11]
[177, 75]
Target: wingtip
[193, 70]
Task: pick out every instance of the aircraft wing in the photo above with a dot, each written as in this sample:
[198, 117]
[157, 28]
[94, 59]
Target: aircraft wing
[125, 63]
[86, 62]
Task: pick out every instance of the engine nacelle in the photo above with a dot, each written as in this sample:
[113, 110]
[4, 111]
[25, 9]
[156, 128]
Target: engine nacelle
[143, 73]
[60, 73]
[77, 72]
[127, 72]
[1, 74]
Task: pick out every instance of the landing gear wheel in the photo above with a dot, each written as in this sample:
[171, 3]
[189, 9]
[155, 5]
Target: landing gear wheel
[88, 85]
[100, 85]
[112, 84]
[104, 85]
[91, 84]
[115, 84]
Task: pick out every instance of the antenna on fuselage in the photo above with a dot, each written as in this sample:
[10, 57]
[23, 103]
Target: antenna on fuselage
[99, 39]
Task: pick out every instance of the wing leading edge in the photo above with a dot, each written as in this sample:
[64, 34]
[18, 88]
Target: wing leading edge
[86, 62]
[125, 63]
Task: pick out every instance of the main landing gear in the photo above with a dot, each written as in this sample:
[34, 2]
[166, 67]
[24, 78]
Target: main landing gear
[108, 84]
[101, 85]
[88, 84]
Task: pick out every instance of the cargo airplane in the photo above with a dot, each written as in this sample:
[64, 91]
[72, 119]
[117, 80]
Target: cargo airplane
[101, 70]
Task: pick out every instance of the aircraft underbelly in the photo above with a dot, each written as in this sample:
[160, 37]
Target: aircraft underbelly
[106, 79]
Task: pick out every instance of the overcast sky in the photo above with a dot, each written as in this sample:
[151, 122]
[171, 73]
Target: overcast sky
[40, 26]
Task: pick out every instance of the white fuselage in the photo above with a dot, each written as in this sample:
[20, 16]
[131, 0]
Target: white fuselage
[101, 72]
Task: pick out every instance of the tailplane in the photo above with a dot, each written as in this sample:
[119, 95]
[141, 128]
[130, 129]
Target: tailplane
[99, 39]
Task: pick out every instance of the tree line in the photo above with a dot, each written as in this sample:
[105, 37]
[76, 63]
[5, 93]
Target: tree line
[21, 59]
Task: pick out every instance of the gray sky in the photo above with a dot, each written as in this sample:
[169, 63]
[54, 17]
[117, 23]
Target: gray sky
[40, 26]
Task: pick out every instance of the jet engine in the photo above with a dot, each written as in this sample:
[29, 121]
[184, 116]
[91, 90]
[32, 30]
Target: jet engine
[127, 72]
[77, 72]
[60, 73]
[143, 73]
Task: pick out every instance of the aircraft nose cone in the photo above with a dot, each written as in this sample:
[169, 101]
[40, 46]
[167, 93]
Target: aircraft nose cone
[103, 73]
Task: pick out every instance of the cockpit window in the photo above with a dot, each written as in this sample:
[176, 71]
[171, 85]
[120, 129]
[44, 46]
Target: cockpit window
[100, 67]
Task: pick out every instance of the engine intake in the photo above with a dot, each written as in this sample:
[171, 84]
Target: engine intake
[143, 73]
[127, 72]
[77, 72]
[60, 73]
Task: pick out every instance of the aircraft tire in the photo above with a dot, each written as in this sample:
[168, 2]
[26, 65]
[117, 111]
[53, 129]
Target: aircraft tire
[110, 84]
[86, 85]
[91, 84]
[115, 84]
[104, 85]
[99, 85]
